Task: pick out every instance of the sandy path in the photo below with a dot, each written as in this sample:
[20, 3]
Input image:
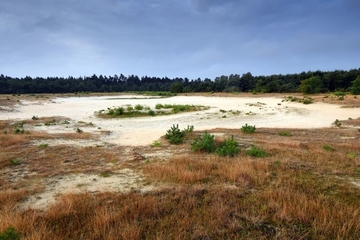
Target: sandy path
[259, 111]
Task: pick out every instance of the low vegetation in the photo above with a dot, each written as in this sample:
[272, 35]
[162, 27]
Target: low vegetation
[143, 111]
[248, 128]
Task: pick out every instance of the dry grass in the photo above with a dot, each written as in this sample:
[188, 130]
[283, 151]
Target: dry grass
[301, 190]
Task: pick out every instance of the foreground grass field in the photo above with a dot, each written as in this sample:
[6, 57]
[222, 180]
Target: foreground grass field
[306, 187]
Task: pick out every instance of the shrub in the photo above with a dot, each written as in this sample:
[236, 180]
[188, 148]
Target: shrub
[204, 143]
[129, 108]
[43, 145]
[228, 148]
[256, 152]
[35, 118]
[78, 130]
[119, 111]
[139, 107]
[328, 148]
[307, 100]
[174, 135]
[10, 234]
[248, 128]
[284, 134]
[14, 162]
[188, 129]
[156, 144]
[158, 106]
[337, 123]
[151, 113]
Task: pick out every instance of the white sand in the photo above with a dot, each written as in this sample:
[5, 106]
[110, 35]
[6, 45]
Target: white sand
[259, 111]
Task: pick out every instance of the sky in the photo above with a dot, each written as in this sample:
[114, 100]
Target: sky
[177, 38]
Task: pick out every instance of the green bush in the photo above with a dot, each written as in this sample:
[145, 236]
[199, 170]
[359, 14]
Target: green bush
[337, 123]
[139, 107]
[256, 152]
[328, 148]
[248, 128]
[119, 111]
[175, 135]
[156, 144]
[188, 129]
[204, 143]
[151, 113]
[284, 134]
[228, 148]
[159, 106]
[307, 100]
[14, 162]
[10, 234]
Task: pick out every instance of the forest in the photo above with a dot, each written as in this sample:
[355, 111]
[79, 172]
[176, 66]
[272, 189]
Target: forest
[306, 82]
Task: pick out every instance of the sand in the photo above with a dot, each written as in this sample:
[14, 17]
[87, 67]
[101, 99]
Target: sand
[270, 112]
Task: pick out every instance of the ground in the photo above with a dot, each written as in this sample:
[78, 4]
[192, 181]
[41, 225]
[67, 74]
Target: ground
[55, 148]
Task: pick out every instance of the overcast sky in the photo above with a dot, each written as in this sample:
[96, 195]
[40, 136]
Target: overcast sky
[177, 38]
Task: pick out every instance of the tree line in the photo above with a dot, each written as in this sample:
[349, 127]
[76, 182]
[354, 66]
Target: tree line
[306, 82]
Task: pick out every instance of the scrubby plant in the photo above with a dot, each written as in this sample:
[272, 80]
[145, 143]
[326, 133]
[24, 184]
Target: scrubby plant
[284, 133]
[10, 233]
[78, 130]
[151, 112]
[14, 162]
[119, 111]
[328, 148]
[159, 106]
[248, 128]
[156, 144]
[229, 147]
[256, 152]
[307, 100]
[45, 145]
[337, 123]
[139, 107]
[188, 129]
[35, 118]
[175, 135]
[204, 143]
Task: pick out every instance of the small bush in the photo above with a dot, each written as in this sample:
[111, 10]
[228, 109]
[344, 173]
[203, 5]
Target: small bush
[228, 148]
[159, 106]
[139, 107]
[10, 234]
[188, 129]
[248, 128]
[328, 148]
[156, 144]
[119, 111]
[151, 113]
[205, 143]
[78, 130]
[337, 123]
[256, 152]
[307, 100]
[175, 135]
[14, 162]
[129, 108]
[284, 134]
[43, 145]
[35, 118]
